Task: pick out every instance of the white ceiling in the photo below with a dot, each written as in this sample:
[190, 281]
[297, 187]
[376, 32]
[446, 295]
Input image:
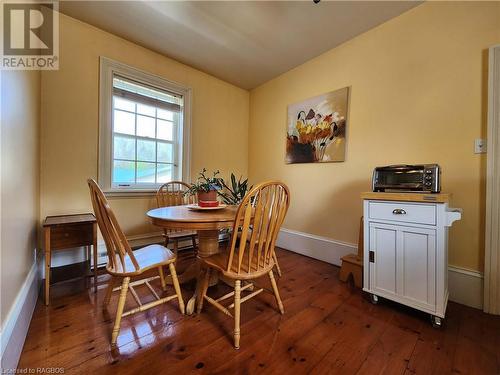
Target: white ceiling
[242, 42]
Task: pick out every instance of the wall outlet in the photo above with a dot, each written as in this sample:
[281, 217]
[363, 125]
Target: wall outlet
[480, 146]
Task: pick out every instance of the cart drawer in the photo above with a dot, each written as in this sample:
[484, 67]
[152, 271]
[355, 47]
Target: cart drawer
[403, 212]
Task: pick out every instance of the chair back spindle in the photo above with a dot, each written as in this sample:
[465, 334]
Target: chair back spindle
[117, 246]
[258, 219]
[174, 194]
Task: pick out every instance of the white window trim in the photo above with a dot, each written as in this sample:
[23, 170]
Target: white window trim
[108, 68]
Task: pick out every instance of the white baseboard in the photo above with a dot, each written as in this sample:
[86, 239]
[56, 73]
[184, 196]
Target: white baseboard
[144, 240]
[317, 247]
[134, 241]
[465, 286]
[16, 324]
[77, 255]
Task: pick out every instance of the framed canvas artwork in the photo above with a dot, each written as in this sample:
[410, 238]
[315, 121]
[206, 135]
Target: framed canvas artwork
[316, 128]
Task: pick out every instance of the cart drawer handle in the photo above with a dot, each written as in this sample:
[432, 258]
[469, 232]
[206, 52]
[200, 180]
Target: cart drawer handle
[399, 211]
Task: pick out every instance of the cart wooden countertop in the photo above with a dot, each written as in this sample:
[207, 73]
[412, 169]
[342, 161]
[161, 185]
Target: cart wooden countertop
[408, 197]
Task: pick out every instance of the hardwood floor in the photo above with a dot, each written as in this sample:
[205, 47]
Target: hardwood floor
[328, 328]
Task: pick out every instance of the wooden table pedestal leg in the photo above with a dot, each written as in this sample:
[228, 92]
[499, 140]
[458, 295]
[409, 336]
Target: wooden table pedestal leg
[208, 245]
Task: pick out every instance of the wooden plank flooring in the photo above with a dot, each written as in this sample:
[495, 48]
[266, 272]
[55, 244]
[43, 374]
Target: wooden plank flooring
[328, 328]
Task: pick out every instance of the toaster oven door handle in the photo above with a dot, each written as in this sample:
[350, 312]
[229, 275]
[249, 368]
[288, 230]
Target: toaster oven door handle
[399, 211]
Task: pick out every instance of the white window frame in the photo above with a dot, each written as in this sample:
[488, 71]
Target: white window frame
[109, 68]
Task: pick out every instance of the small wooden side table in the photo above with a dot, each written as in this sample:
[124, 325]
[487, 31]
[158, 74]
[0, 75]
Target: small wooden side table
[67, 231]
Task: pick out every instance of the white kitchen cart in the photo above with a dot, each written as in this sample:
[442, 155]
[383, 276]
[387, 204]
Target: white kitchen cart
[406, 249]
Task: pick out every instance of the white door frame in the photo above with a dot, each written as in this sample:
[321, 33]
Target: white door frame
[492, 250]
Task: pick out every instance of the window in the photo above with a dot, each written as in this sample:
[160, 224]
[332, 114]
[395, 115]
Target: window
[145, 134]
[144, 130]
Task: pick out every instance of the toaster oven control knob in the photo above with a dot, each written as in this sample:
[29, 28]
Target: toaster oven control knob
[428, 177]
[428, 171]
[428, 183]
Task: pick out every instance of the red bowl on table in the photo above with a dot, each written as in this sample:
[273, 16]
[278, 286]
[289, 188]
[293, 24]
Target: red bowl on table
[208, 203]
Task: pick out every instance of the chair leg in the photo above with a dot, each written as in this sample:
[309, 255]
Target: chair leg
[237, 305]
[166, 240]
[278, 269]
[203, 291]
[276, 293]
[162, 278]
[88, 258]
[119, 311]
[177, 288]
[176, 247]
[193, 240]
[109, 291]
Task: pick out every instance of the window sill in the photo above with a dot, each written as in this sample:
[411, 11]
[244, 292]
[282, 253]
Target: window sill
[130, 193]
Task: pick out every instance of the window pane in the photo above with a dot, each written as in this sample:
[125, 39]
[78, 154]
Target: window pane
[165, 152]
[124, 122]
[120, 103]
[146, 110]
[123, 171]
[165, 130]
[146, 172]
[146, 150]
[164, 173]
[145, 126]
[124, 148]
[166, 115]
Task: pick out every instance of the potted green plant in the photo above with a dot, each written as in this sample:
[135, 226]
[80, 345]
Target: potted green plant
[206, 189]
[235, 193]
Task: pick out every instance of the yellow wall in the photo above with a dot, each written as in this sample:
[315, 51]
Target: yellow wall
[20, 108]
[69, 139]
[418, 95]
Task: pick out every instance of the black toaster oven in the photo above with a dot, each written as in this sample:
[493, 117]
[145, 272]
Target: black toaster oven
[419, 178]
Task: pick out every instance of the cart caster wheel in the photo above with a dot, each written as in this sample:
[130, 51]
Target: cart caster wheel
[373, 299]
[436, 321]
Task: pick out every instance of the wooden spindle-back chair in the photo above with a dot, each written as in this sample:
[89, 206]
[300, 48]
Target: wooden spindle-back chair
[123, 263]
[174, 194]
[251, 252]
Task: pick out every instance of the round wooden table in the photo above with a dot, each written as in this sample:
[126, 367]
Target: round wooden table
[207, 223]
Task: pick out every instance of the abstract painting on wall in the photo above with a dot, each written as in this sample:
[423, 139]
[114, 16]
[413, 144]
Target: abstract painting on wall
[317, 127]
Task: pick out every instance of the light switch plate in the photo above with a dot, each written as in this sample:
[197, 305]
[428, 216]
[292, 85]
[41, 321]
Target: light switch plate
[480, 146]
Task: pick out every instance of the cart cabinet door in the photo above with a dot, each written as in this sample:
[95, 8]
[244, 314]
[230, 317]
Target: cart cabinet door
[417, 265]
[383, 258]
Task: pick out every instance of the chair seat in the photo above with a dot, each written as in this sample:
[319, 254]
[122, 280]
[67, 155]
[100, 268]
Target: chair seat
[219, 262]
[147, 257]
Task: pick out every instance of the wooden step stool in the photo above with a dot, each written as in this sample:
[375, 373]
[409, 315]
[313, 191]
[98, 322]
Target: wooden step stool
[352, 264]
